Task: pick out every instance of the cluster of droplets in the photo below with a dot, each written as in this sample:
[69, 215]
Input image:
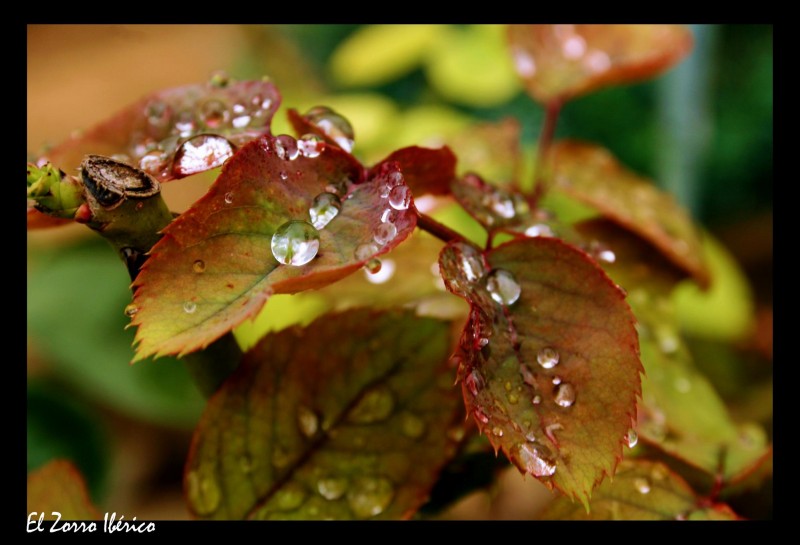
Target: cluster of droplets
[287, 148]
[490, 204]
[333, 125]
[392, 189]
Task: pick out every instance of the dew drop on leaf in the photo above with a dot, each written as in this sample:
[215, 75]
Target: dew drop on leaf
[370, 496]
[199, 266]
[539, 230]
[547, 358]
[503, 287]
[284, 175]
[642, 485]
[158, 114]
[307, 421]
[201, 153]
[332, 488]
[189, 307]
[228, 197]
[153, 162]
[131, 310]
[534, 461]
[214, 114]
[497, 431]
[384, 272]
[203, 493]
[335, 126]
[376, 405]
[480, 415]
[565, 395]
[296, 242]
[310, 145]
[373, 266]
[286, 147]
[384, 233]
[185, 123]
[325, 207]
[631, 438]
[536, 399]
[365, 251]
[400, 197]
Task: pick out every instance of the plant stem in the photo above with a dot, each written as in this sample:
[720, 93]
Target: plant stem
[440, 231]
[543, 148]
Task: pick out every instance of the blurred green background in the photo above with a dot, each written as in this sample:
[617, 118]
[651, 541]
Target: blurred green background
[703, 132]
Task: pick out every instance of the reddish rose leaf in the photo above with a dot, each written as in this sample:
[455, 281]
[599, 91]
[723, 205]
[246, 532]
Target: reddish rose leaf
[491, 206]
[39, 220]
[491, 149]
[592, 175]
[549, 359]
[218, 263]
[560, 62]
[426, 170]
[177, 132]
[345, 419]
[60, 487]
[324, 122]
[641, 490]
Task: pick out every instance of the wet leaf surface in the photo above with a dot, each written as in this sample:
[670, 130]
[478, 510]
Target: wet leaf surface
[60, 487]
[344, 419]
[219, 262]
[560, 62]
[549, 360]
[641, 490]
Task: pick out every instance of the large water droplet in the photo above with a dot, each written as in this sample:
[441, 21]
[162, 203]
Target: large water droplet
[534, 461]
[310, 145]
[286, 147]
[307, 421]
[153, 162]
[503, 287]
[131, 310]
[383, 273]
[325, 207]
[335, 126]
[295, 243]
[289, 497]
[413, 426]
[203, 493]
[565, 395]
[384, 233]
[501, 204]
[189, 307]
[400, 197]
[201, 153]
[642, 485]
[470, 263]
[199, 266]
[365, 251]
[370, 496]
[376, 405]
[332, 488]
[547, 358]
[631, 438]
[214, 114]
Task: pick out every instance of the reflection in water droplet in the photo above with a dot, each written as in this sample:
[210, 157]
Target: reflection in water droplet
[413, 426]
[228, 197]
[497, 431]
[335, 126]
[400, 197]
[284, 175]
[325, 207]
[376, 405]
[295, 243]
[310, 145]
[153, 162]
[203, 493]
[332, 488]
[523, 62]
[158, 114]
[501, 204]
[184, 123]
[365, 251]
[534, 461]
[565, 395]
[131, 310]
[370, 496]
[503, 287]
[547, 358]
[201, 153]
[289, 497]
[384, 271]
[642, 485]
[307, 421]
[536, 399]
[632, 438]
[286, 147]
[373, 266]
[189, 307]
[214, 114]
[470, 262]
[199, 266]
[384, 233]
[539, 230]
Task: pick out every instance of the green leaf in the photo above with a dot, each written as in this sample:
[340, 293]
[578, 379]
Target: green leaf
[560, 62]
[215, 266]
[60, 487]
[343, 419]
[179, 131]
[549, 359]
[641, 490]
[592, 175]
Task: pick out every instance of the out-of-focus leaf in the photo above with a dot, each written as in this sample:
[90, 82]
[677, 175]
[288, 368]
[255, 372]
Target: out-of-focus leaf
[471, 66]
[215, 265]
[60, 487]
[549, 359]
[344, 419]
[75, 302]
[39, 220]
[428, 125]
[641, 490]
[378, 54]
[426, 171]
[592, 175]
[177, 132]
[726, 310]
[560, 62]
[490, 149]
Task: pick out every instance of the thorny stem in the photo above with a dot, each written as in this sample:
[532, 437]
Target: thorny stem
[440, 231]
[543, 148]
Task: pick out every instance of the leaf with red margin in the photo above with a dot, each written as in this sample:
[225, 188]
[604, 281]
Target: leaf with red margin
[641, 490]
[152, 131]
[60, 487]
[565, 423]
[343, 419]
[592, 175]
[326, 123]
[217, 258]
[560, 62]
[426, 170]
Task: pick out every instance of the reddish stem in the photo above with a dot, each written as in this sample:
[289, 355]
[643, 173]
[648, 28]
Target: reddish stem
[440, 231]
[545, 141]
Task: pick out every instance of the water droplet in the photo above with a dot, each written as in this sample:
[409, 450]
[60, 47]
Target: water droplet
[501, 204]
[376, 405]
[556, 380]
[185, 123]
[539, 230]
[547, 358]
[370, 496]
[503, 287]
[534, 461]
[228, 197]
[219, 79]
[284, 175]
[289, 497]
[325, 207]
[201, 153]
[384, 272]
[474, 382]
[131, 310]
[158, 114]
[335, 126]
[413, 426]
[153, 162]
[286, 147]
[295, 243]
[565, 395]
[365, 251]
[189, 307]
[631, 438]
[310, 145]
[400, 197]
[523, 62]
[470, 262]
[389, 215]
[480, 415]
[199, 266]
[241, 117]
[384, 233]
[307, 421]
[497, 431]
[642, 485]
[332, 488]
[214, 114]
[203, 492]
[373, 266]
[536, 399]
